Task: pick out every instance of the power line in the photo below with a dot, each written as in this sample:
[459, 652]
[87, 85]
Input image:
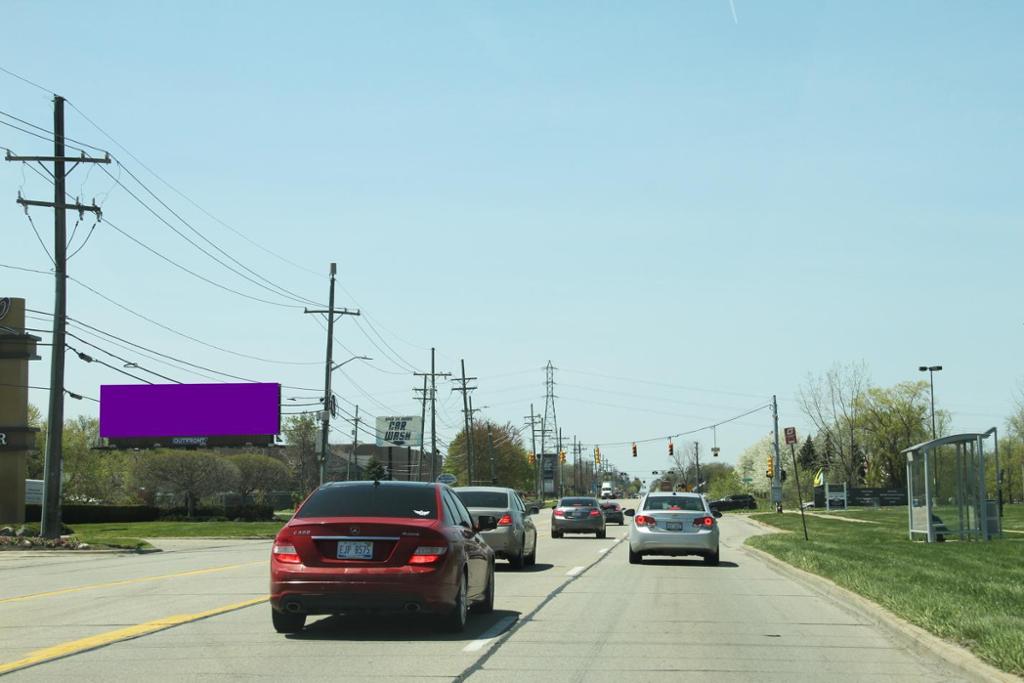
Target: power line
[89, 359]
[25, 80]
[123, 360]
[27, 270]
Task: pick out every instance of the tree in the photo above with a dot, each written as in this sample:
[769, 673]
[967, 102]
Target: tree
[375, 470]
[808, 455]
[724, 480]
[259, 474]
[510, 465]
[190, 475]
[752, 464]
[830, 402]
[890, 420]
[302, 435]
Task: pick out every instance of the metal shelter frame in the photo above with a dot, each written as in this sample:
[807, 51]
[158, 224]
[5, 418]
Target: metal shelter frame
[978, 516]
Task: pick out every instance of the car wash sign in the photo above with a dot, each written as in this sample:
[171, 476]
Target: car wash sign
[399, 431]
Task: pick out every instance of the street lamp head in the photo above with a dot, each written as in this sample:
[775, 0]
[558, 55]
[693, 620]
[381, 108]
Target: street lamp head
[923, 368]
[936, 368]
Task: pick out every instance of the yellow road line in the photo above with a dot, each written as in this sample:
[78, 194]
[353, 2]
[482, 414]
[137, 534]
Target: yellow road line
[125, 582]
[92, 642]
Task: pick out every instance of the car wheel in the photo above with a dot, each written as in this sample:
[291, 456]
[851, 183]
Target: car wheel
[635, 558]
[518, 560]
[602, 534]
[531, 559]
[712, 560]
[455, 620]
[556, 534]
[286, 622]
[487, 606]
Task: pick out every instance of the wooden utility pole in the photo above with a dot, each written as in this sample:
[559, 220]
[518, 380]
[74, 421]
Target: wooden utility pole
[325, 415]
[51, 512]
[464, 389]
[433, 375]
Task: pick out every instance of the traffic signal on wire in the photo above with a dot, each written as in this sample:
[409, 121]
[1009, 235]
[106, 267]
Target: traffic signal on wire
[634, 449]
[770, 472]
[671, 448]
[561, 456]
[532, 459]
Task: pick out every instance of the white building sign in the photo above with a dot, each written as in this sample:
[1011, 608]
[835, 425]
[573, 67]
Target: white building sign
[399, 431]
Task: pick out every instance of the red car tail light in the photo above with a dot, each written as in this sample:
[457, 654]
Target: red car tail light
[706, 522]
[286, 554]
[506, 520]
[645, 520]
[428, 554]
[595, 513]
[559, 513]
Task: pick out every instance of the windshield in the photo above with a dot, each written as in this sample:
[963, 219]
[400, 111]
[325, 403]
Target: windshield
[483, 499]
[414, 502]
[687, 503]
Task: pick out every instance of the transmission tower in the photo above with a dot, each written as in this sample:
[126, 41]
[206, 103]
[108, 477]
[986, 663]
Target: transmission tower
[550, 423]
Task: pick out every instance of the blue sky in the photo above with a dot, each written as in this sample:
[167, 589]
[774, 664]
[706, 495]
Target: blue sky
[638, 191]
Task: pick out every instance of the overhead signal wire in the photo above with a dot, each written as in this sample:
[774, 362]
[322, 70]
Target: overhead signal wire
[27, 270]
[89, 359]
[123, 360]
[273, 287]
[188, 199]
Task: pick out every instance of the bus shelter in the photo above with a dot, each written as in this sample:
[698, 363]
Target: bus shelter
[950, 482]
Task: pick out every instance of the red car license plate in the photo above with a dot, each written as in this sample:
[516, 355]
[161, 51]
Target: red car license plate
[355, 550]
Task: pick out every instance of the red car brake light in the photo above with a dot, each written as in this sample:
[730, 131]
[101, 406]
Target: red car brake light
[559, 513]
[428, 554]
[645, 520]
[595, 513]
[706, 522]
[286, 554]
[506, 520]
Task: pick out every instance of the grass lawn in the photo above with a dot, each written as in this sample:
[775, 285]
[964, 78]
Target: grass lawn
[130, 534]
[967, 593]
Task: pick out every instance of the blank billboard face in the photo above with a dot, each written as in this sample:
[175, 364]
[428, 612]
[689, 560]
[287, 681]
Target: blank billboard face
[139, 411]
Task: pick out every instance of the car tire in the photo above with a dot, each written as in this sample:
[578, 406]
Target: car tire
[712, 560]
[455, 620]
[602, 534]
[286, 622]
[531, 559]
[518, 560]
[635, 558]
[487, 606]
[556, 534]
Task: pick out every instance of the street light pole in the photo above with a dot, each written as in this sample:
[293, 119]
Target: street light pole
[931, 369]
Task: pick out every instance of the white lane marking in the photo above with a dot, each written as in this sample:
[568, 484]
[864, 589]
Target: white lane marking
[574, 571]
[490, 634]
[603, 551]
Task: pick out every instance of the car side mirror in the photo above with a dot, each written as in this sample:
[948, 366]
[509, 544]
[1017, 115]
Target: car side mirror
[629, 513]
[486, 522]
[535, 510]
[716, 514]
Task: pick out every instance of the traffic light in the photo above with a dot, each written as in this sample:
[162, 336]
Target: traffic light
[782, 475]
[671, 448]
[770, 472]
[532, 458]
[561, 456]
[634, 449]
[597, 455]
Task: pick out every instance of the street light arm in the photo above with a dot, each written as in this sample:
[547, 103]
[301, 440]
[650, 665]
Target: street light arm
[338, 365]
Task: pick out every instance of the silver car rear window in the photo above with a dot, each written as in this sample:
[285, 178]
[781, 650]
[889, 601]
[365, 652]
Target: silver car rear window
[483, 499]
[686, 503]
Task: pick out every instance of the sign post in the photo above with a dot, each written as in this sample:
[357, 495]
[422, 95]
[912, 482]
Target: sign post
[791, 442]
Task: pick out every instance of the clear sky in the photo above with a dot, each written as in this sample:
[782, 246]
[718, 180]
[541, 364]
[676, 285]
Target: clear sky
[684, 209]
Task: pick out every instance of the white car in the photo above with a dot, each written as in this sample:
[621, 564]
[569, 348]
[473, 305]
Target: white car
[678, 523]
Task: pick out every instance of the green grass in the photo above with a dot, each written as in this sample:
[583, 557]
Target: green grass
[130, 534]
[968, 593]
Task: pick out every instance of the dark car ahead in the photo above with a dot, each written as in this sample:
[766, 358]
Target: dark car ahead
[577, 514]
[390, 547]
[738, 501]
[612, 512]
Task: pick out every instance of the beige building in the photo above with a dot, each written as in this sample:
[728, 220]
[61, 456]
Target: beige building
[17, 348]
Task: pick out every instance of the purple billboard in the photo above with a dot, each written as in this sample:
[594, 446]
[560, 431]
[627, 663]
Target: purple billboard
[189, 415]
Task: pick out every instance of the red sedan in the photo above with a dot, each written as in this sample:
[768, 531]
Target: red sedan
[389, 546]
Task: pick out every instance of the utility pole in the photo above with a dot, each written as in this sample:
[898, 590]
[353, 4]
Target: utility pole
[466, 415]
[433, 375]
[325, 422]
[355, 444]
[777, 469]
[423, 420]
[696, 460]
[490, 450]
[51, 512]
[561, 482]
[537, 456]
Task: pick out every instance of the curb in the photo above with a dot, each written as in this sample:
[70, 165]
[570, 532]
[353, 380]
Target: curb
[915, 637]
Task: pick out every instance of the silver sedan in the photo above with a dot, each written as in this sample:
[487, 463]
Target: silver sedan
[515, 538]
[674, 524]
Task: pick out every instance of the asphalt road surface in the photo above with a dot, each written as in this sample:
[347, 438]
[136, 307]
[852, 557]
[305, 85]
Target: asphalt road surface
[198, 611]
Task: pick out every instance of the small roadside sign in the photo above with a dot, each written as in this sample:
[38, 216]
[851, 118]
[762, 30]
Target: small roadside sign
[790, 435]
[447, 478]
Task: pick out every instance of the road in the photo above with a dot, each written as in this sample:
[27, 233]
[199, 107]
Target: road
[198, 610]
